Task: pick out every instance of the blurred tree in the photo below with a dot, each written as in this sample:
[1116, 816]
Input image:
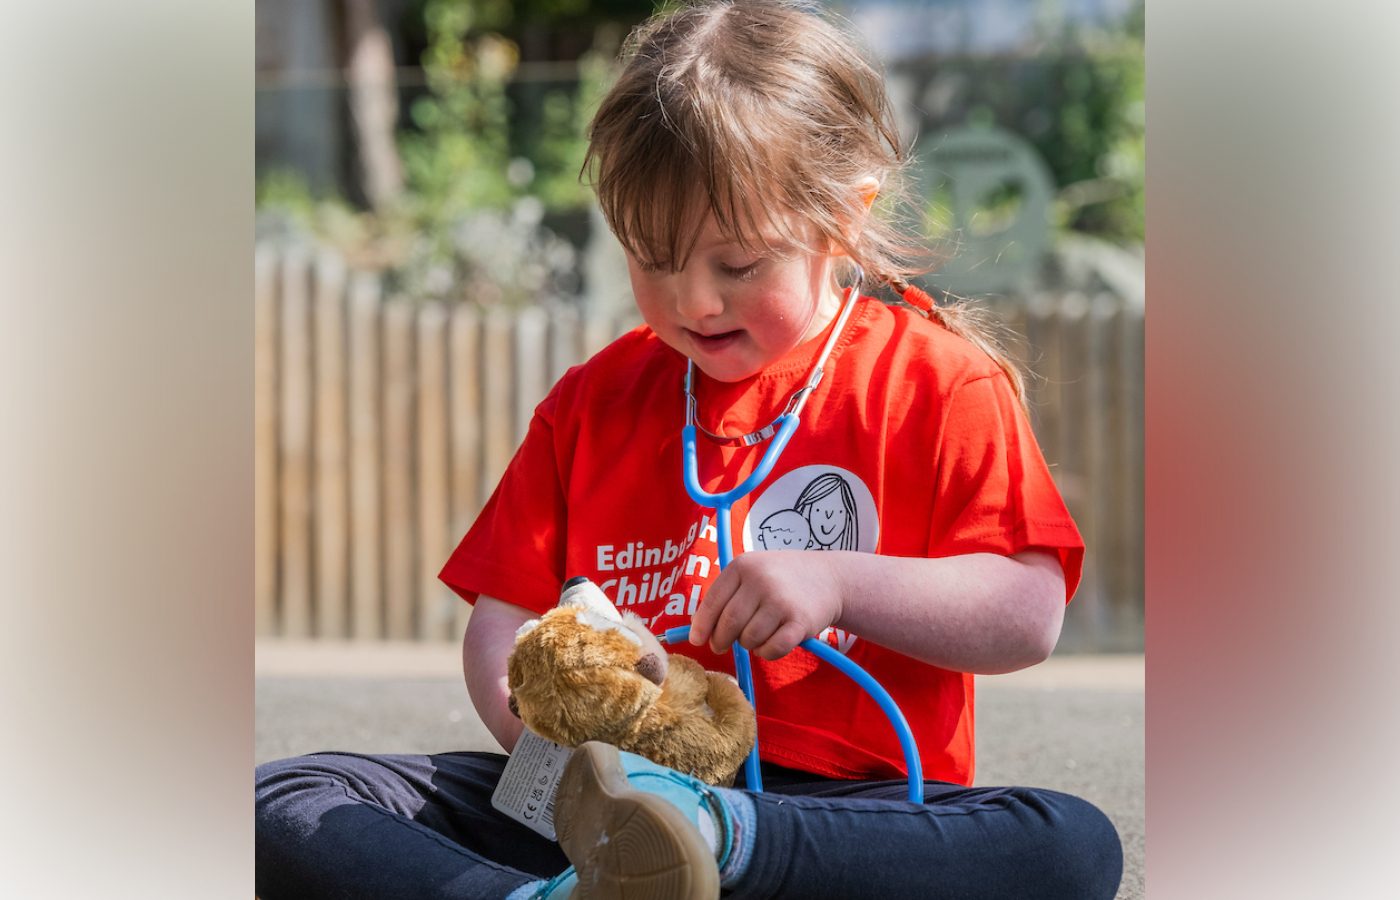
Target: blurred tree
[374, 105]
[1067, 77]
[1095, 139]
[485, 132]
[561, 53]
[456, 159]
[1080, 106]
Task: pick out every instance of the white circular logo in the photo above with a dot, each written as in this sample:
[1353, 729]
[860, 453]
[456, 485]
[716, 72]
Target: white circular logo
[813, 508]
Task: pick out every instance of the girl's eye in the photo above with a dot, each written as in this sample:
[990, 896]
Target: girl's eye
[741, 273]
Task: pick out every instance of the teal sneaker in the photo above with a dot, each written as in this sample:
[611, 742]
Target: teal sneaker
[634, 829]
[560, 887]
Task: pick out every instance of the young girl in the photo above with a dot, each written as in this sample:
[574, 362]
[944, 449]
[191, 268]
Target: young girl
[737, 160]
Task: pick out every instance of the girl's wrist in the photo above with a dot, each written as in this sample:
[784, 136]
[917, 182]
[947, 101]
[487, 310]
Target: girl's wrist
[838, 570]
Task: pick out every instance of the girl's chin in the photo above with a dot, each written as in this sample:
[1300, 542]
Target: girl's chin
[722, 357]
[725, 370]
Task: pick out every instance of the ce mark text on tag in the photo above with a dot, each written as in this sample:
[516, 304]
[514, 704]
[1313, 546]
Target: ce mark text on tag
[526, 790]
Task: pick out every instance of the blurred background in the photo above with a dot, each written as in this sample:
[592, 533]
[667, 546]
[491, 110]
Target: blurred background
[427, 263]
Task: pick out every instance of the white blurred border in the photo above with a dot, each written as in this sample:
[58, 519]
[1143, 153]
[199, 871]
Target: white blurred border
[1273, 211]
[125, 392]
[125, 367]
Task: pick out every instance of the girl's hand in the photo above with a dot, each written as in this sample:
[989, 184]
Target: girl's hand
[769, 601]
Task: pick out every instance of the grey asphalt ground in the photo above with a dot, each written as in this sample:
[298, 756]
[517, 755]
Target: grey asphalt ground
[1074, 723]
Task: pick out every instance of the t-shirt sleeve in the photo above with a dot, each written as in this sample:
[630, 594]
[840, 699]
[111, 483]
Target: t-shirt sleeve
[994, 489]
[515, 549]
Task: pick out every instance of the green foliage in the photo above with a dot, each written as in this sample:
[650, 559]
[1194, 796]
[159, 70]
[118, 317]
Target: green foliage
[289, 208]
[490, 153]
[287, 191]
[1125, 163]
[1084, 115]
[457, 159]
[491, 135]
[288, 195]
[558, 148]
[1095, 144]
[483, 137]
[473, 145]
[1079, 102]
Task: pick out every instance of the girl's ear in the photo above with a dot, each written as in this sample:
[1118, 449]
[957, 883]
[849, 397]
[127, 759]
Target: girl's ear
[868, 188]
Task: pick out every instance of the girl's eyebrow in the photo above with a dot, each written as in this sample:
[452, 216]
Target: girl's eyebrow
[770, 238]
[770, 244]
[720, 241]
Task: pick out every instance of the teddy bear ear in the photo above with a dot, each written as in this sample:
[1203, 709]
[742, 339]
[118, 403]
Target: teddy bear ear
[525, 629]
[651, 668]
[584, 594]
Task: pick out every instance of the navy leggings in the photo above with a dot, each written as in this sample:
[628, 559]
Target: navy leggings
[348, 826]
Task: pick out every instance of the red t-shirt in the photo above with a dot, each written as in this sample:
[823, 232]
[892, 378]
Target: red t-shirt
[913, 445]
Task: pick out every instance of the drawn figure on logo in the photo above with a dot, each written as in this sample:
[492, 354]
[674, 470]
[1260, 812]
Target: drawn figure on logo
[786, 529]
[829, 507]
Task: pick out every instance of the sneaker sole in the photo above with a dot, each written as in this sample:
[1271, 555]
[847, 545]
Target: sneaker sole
[627, 844]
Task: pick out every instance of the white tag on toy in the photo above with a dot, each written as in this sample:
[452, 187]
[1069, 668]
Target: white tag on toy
[529, 781]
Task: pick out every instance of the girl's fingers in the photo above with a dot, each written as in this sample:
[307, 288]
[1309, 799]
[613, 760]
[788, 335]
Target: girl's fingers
[781, 642]
[732, 617]
[760, 628]
[702, 622]
[738, 610]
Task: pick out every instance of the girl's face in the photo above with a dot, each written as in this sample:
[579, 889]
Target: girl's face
[733, 311]
[827, 518]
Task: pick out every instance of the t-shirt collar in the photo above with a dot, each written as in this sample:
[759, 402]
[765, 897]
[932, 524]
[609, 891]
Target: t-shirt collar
[734, 407]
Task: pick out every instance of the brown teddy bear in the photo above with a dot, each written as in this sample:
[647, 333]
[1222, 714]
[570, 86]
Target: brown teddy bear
[584, 672]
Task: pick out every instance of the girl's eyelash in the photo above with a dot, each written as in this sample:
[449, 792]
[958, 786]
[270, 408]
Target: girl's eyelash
[741, 273]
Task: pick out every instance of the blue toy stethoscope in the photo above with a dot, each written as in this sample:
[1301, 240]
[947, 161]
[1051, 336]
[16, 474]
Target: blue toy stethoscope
[780, 430]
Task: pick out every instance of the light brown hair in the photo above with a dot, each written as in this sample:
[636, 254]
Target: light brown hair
[767, 116]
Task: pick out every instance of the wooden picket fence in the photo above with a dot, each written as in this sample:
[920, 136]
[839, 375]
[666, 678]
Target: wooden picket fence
[382, 424]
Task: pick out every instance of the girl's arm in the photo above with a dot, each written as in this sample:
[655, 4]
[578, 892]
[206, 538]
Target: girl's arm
[490, 638]
[980, 613]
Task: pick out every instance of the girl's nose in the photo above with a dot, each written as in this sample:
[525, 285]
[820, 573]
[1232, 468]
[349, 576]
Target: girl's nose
[697, 299]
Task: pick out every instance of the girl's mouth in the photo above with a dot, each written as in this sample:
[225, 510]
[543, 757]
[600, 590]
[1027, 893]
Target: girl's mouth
[713, 343]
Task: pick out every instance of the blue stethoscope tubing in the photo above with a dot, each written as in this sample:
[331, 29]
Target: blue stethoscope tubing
[861, 677]
[722, 504]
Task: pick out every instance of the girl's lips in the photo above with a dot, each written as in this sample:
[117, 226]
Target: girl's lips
[713, 343]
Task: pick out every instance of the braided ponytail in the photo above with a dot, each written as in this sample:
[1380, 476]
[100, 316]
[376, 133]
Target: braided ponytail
[967, 322]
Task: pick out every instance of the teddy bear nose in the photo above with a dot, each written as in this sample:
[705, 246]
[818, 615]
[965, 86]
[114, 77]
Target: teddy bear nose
[576, 580]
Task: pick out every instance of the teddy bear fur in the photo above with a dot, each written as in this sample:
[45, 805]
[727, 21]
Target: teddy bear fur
[583, 672]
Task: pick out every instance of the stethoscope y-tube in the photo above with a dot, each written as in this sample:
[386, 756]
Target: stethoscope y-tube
[721, 504]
